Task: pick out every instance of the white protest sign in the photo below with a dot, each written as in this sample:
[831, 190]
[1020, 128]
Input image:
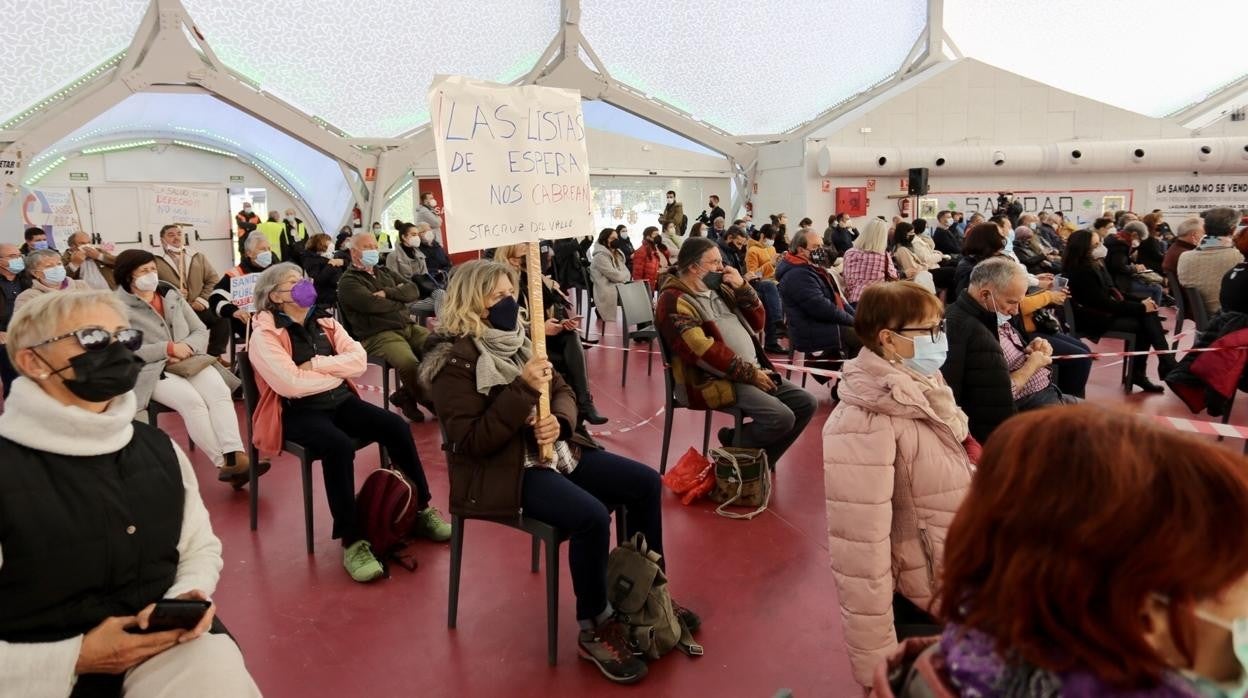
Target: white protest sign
[1189, 196]
[512, 160]
[183, 205]
[242, 290]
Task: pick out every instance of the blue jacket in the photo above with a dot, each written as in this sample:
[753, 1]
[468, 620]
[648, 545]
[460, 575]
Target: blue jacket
[809, 300]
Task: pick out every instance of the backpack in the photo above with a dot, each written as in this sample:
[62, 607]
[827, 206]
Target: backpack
[386, 511]
[637, 588]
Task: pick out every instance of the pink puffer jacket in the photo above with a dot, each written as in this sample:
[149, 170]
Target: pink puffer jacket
[894, 474]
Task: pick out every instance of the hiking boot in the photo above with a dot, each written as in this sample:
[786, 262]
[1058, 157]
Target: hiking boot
[360, 563]
[430, 524]
[238, 473]
[407, 406]
[692, 620]
[607, 647]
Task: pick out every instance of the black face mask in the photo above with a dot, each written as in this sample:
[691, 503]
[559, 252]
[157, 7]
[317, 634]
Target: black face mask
[100, 376]
[713, 279]
[819, 256]
[505, 314]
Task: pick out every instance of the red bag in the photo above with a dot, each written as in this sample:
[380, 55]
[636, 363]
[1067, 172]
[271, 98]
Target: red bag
[691, 477]
[386, 511]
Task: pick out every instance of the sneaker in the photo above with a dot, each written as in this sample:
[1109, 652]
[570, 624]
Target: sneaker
[607, 647]
[360, 563]
[692, 620]
[430, 524]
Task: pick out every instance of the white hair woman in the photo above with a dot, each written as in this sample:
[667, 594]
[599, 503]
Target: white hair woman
[868, 261]
[100, 517]
[47, 274]
[257, 256]
[304, 362]
[485, 381]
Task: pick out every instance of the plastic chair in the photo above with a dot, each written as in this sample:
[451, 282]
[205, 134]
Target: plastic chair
[251, 397]
[671, 403]
[1128, 340]
[379, 361]
[1180, 306]
[155, 409]
[1197, 312]
[634, 300]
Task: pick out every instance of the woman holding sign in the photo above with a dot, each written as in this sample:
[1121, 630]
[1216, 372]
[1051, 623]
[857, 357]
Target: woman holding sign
[485, 382]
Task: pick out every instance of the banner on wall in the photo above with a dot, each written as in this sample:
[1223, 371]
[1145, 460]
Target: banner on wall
[512, 161]
[1185, 196]
[196, 208]
[54, 210]
[1079, 206]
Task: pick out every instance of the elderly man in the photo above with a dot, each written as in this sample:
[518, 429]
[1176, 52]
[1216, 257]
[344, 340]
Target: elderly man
[717, 231]
[710, 317]
[13, 280]
[821, 321]
[1188, 237]
[89, 263]
[992, 371]
[374, 304]
[1203, 269]
[192, 274]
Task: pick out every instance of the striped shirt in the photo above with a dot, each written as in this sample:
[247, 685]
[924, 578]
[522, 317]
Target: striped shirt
[1015, 356]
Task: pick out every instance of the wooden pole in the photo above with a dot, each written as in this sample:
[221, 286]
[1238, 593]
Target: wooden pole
[537, 332]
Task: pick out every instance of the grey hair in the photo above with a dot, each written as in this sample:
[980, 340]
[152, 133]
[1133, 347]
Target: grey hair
[44, 317]
[995, 273]
[1188, 226]
[270, 279]
[1138, 228]
[360, 236]
[253, 240]
[1220, 221]
[32, 259]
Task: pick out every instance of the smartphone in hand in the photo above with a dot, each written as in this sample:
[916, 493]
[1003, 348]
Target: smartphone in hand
[175, 614]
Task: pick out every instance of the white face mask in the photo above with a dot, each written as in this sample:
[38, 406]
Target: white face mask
[1099, 252]
[146, 282]
[427, 237]
[411, 240]
[172, 249]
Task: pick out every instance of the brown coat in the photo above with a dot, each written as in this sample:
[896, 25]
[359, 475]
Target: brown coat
[201, 278]
[105, 263]
[484, 435]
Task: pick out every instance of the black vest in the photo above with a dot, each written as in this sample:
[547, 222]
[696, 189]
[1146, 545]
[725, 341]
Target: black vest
[86, 537]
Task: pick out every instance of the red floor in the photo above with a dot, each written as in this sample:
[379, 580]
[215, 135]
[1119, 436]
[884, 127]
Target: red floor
[763, 587]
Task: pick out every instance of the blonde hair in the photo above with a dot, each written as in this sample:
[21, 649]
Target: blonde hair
[44, 317]
[874, 237]
[470, 285]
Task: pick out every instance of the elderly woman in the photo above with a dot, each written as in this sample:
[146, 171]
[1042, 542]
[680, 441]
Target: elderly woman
[47, 274]
[176, 372]
[1129, 578]
[608, 268]
[486, 380]
[325, 268]
[868, 261]
[895, 469]
[100, 517]
[257, 256]
[408, 261]
[304, 362]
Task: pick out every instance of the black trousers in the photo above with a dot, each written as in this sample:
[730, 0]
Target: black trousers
[1149, 334]
[218, 331]
[581, 504]
[568, 357]
[331, 435]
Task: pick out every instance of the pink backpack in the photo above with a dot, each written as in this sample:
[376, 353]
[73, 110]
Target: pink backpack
[386, 507]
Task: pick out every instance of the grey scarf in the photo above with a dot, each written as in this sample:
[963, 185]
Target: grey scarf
[502, 356]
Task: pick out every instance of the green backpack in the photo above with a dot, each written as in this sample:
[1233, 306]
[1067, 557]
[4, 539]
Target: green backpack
[637, 588]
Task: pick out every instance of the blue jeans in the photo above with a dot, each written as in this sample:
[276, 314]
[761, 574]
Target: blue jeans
[769, 293]
[581, 503]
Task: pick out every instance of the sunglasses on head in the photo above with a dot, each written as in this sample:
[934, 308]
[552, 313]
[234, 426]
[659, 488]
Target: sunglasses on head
[95, 338]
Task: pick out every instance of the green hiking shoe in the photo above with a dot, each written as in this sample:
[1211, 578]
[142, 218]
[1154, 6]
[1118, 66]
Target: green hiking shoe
[431, 525]
[360, 563]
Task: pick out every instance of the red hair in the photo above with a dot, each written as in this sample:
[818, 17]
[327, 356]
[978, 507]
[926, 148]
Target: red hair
[1075, 517]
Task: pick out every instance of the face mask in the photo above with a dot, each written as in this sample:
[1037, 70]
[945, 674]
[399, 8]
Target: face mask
[1009, 239]
[1135, 244]
[427, 237]
[146, 282]
[769, 243]
[713, 279]
[819, 256]
[671, 199]
[411, 241]
[1239, 642]
[303, 293]
[1002, 318]
[54, 276]
[17, 265]
[39, 245]
[290, 219]
[100, 376]
[246, 209]
[328, 254]
[173, 250]
[370, 258]
[505, 314]
[928, 356]
[264, 259]
[1099, 252]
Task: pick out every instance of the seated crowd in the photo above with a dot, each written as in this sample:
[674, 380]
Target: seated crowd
[939, 335]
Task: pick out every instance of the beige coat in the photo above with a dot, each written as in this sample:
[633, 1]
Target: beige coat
[200, 279]
[894, 475]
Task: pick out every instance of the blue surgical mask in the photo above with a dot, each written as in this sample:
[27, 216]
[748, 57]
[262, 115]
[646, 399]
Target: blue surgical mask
[929, 355]
[1009, 239]
[54, 276]
[39, 245]
[370, 258]
[17, 265]
[264, 259]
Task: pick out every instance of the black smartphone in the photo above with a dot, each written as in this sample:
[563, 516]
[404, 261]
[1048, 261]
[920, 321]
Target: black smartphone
[175, 614]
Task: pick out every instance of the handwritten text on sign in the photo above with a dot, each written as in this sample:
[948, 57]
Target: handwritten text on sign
[513, 163]
[195, 207]
[242, 291]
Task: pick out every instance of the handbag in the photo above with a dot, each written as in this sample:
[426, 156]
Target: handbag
[691, 477]
[386, 510]
[190, 366]
[742, 478]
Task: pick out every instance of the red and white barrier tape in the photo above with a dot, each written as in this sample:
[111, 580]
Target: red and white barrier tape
[633, 427]
[1196, 426]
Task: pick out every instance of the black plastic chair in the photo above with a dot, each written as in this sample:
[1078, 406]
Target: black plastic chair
[251, 397]
[634, 300]
[542, 533]
[1180, 306]
[671, 402]
[1128, 340]
[378, 361]
[155, 409]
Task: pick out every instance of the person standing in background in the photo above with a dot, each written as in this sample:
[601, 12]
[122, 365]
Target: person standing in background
[273, 229]
[712, 205]
[674, 213]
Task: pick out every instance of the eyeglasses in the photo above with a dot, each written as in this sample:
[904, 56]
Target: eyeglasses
[95, 338]
[936, 332]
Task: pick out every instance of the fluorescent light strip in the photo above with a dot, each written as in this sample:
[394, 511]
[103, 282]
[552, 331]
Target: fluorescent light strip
[207, 149]
[46, 169]
[118, 146]
[64, 92]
